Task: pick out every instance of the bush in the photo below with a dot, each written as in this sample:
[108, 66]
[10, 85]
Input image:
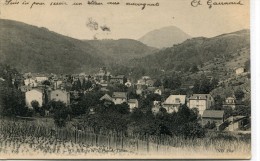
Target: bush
[60, 117]
[192, 130]
[211, 125]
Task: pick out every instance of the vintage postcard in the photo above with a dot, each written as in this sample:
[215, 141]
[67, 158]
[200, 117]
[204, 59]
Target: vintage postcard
[135, 79]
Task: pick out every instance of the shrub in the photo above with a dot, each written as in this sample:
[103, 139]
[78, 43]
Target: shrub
[192, 130]
[211, 125]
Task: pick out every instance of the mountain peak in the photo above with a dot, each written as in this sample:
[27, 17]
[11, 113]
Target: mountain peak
[164, 37]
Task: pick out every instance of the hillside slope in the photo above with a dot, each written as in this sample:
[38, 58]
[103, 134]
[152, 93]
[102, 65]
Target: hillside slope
[197, 51]
[164, 37]
[29, 48]
[122, 50]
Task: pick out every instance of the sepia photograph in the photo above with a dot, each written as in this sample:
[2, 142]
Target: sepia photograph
[125, 79]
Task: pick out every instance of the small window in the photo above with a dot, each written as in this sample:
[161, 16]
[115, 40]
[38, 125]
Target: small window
[57, 95]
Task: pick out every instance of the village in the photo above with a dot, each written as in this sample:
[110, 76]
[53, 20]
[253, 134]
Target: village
[40, 89]
[132, 80]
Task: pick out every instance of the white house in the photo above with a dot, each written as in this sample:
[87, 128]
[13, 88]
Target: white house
[41, 78]
[60, 95]
[132, 104]
[33, 95]
[230, 102]
[201, 102]
[173, 102]
[239, 70]
[30, 82]
[119, 97]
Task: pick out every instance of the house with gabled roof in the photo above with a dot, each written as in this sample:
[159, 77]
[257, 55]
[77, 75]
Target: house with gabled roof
[106, 97]
[173, 102]
[119, 97]
[34, 95]
[40, 77]
[60, 95]
[230, 102]
[213, 116]
[200, 101]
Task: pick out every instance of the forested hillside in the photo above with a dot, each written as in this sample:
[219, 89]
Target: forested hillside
[32, 49]
[122, 50]
[196, 51]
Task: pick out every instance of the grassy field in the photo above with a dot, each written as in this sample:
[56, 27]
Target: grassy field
[28, 139]
[40, 146]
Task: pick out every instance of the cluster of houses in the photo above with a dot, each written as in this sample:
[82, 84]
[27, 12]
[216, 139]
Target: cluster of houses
[42, 88]
[47, 87]
[202, 102]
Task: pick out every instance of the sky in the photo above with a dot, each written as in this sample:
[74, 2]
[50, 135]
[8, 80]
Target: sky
[130, 21]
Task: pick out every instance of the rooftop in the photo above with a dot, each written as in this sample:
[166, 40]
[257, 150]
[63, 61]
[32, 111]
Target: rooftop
[106, 97]
[200, 96]
[118, 77]
[213, 114]
[132, 100]
[119, 95]
[175, 99]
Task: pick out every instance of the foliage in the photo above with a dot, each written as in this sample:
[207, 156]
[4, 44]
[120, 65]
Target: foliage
[196, 51]
[118, 87]
[60, 111]
[109, 117]
[35, 105]
[182, 123]
[247, 65]
[228, 111]
[49, 52]
[157, 83]
[172, 82]
[218, 103]
[239, 94]
[204, 85]
[194, 69]
[46, 83]
[211, 125]
[192, 130]
[242, 110]
[12, 102]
